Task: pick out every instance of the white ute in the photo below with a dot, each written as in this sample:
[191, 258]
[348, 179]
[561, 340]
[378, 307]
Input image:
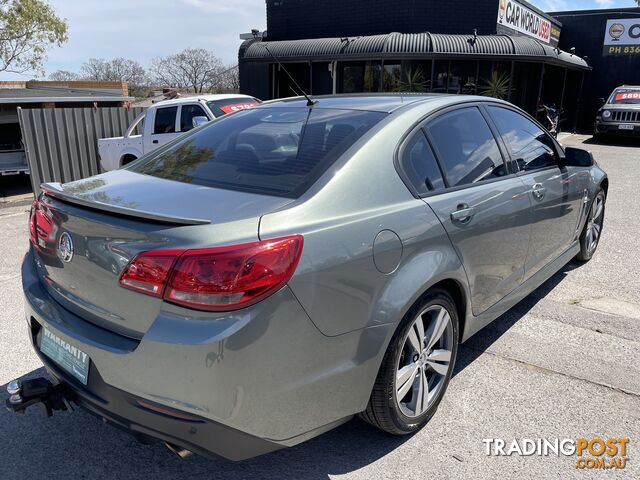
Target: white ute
[164, 121]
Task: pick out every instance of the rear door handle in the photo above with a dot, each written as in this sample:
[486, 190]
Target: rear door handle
[538, 191]
[463, 214]
[155, 141]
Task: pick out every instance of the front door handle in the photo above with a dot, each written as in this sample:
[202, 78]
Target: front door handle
[463, 214]
[155, 141]
[538, 191]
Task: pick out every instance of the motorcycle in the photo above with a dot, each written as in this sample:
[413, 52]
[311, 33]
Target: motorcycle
[552, 117]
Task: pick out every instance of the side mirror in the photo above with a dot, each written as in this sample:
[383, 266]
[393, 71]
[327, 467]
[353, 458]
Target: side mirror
[577, 157]
[197, 121]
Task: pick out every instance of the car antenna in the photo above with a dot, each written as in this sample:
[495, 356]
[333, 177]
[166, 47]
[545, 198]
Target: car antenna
[310, 102]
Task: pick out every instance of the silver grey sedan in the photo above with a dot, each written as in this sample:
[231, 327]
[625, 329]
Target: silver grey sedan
[271, 274]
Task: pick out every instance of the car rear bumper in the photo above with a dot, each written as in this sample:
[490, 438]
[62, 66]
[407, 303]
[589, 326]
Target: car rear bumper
[248, 382]
[152, 422]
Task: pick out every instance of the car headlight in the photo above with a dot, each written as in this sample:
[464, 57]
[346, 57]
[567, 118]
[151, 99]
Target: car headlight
[606, 114]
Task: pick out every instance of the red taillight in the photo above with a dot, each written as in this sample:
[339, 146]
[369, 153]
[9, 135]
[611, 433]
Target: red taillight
[148, 272]
[32, 221]
[216, 279]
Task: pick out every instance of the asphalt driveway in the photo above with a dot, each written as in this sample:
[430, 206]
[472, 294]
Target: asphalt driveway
[564, 363]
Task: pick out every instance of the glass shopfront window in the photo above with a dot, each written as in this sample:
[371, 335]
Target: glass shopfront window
[407, 76]
[356, 77]
[463, 77]
[391, 75]
[494, 78]
[440, 76]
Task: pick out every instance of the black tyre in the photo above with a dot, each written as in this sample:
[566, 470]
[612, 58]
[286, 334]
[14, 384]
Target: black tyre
[592, 231]
[417, 366]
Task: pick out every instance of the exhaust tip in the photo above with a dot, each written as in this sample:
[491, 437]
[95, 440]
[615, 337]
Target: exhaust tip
[181, 452]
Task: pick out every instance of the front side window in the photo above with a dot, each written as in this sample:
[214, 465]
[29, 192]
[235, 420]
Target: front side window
[186, 116]
[529, 146]
[165, 121]
[466, 147]
[420, 165]
[277, 151]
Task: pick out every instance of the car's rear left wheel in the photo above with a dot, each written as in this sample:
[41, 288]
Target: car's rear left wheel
[417, 366]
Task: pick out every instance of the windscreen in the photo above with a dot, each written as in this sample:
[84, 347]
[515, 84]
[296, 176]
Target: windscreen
[625, 95]
[277, 151]
[230, 105]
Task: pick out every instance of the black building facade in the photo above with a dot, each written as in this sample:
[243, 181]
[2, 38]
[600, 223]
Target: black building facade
[501, 48]
[610, 39]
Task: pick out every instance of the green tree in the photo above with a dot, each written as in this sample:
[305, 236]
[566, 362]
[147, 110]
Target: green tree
[28, 29]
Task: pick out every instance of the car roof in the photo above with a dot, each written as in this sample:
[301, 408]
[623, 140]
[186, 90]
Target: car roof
[205, 97]
[383, 102]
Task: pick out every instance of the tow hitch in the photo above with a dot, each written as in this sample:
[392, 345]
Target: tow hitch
[38, 391]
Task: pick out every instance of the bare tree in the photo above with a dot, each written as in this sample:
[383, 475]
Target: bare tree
[227, 81]
[63, 76]
[194, 69]
[115, 70]
[28, 28]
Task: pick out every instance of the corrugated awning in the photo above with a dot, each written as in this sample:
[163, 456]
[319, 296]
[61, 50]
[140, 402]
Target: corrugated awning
[408, 45]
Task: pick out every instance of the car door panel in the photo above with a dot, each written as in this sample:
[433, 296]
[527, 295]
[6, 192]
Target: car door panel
[555, 191]
[556, 202]
[485, 210]
[492, 244]
[163, 128]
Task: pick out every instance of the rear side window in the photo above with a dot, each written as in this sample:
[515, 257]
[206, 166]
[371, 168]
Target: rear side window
[420, 166]
[275, 151]
[467, 150]
[230, 105]
[186, 116]
[529, 146]
[165, 121]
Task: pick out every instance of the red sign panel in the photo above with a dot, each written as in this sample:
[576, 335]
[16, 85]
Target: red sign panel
[627, 96]
[237, 106]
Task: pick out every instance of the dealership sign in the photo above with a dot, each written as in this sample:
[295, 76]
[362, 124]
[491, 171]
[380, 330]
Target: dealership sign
[519, 18]
[622, 37]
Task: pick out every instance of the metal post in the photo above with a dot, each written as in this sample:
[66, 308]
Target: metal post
[564, 84]
[433, 66]
[539, 91]
[272, 67]
[334, 75]
[310, 78]
[578, 103]
[513, 66]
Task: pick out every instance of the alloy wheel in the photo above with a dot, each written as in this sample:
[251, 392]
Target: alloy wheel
[594, 223]
[425, 361]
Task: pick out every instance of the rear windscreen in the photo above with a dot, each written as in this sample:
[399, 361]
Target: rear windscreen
[275, 151]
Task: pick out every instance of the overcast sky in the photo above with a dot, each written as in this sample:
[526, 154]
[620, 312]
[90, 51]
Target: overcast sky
[145, 29]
